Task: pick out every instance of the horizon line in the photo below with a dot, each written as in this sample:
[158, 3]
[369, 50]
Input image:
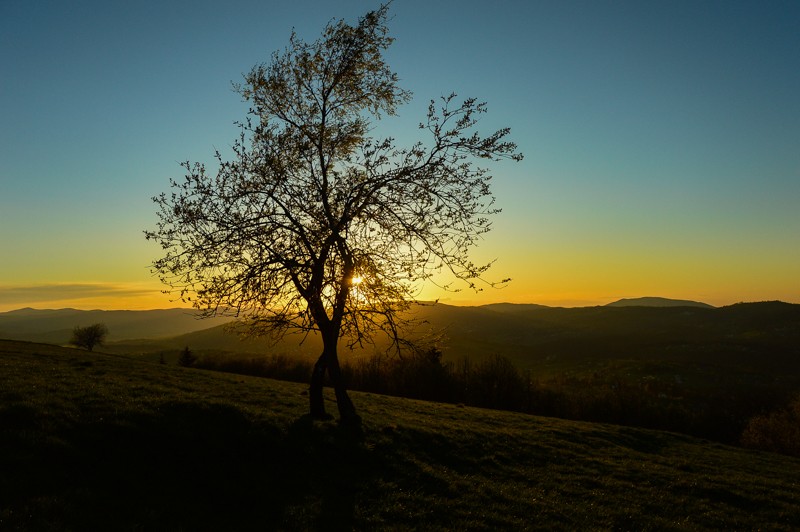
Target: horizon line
[445, 303]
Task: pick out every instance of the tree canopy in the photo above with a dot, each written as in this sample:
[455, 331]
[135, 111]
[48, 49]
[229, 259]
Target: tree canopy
[314, 224]
[90, 336]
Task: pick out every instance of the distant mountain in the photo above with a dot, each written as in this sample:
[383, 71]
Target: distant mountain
[55, 326]
[657, 302]
[753, 336]
[512, 307]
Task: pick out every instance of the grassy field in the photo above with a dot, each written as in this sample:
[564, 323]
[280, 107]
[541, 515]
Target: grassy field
[100, 442]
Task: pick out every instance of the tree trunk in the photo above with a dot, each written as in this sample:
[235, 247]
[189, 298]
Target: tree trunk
[330, 359]
[347, 411]
[316, 401]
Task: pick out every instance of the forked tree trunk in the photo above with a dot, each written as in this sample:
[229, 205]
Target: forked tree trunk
[329, 360]
[347, 411]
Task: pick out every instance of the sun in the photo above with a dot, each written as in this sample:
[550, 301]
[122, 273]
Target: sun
[356, 279]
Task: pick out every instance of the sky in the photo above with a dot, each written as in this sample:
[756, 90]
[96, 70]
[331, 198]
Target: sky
[661, 139]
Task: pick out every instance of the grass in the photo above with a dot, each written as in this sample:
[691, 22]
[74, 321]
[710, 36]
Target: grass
[90, 441]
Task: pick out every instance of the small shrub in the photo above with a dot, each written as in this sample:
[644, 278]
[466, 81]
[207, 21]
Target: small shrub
[777, 432]
[186, 358]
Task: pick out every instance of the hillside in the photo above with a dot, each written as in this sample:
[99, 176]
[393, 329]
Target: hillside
[750, 336]
[93, 441]
[706, 372]
[55, 326]
[657, 302]
[743, 349]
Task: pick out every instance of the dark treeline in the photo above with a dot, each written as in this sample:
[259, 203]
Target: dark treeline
[757, 416]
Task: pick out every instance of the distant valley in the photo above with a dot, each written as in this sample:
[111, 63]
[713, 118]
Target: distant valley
[689, 367]
[535, 337]
[150, 329]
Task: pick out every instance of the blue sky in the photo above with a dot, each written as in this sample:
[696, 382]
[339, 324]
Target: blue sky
[661, 140]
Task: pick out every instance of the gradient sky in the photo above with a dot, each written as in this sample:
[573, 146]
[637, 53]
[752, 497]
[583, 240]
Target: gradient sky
[661, 139]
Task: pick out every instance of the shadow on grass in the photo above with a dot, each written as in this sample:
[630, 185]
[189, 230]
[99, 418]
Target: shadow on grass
[189, 466]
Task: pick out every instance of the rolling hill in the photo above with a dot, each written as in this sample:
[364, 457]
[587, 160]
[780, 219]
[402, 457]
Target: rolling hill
[92, 441]
[55, 326]
[748, 337]
[657, 302]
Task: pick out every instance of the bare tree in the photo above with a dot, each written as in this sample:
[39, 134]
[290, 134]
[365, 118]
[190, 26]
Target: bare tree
[316, 225]
[90, 336]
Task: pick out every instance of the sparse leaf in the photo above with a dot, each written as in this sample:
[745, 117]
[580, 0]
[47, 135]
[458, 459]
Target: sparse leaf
[310, 199]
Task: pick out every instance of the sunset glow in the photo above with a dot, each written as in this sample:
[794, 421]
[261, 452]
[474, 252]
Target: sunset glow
[660, 140]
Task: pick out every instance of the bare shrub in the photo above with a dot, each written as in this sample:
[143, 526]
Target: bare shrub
[90, 336]
[778, 431]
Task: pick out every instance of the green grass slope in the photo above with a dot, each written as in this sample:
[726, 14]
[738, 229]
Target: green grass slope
[100, 442]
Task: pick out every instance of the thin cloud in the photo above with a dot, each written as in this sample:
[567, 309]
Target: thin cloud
[77, 295]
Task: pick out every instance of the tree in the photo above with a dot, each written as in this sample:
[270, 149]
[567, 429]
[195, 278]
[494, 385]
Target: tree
[88, 337]
[186, 359]
[314, 224]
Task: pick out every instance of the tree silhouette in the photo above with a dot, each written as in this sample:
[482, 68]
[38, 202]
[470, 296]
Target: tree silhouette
[314, 224]
[90, 336]
[186, 358]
